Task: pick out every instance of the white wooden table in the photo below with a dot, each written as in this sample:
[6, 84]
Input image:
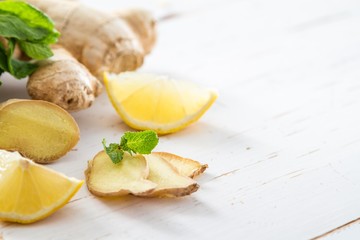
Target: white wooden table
[282, 141]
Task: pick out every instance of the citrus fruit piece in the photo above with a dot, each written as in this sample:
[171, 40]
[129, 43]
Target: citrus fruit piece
[146, 101]
[29, 191]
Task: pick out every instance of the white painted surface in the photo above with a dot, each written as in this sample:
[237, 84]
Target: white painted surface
[347, 232]
[282, 141]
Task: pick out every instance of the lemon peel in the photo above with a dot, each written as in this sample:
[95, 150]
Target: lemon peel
[29, 191]
[147, 101]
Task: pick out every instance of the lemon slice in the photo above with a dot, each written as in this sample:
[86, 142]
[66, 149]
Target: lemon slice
[29, 191]
[146, 101]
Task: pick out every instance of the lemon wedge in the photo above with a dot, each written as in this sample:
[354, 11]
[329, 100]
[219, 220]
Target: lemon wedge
[147, 101]
[30, 192]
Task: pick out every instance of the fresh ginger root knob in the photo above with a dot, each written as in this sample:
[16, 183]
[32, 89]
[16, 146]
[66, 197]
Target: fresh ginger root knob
[101, 41]
[64, 81]
[143, 25]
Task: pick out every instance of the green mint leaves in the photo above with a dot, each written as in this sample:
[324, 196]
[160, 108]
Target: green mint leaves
[133, 142]
[31, 29]
[114, 151]
[139, 142]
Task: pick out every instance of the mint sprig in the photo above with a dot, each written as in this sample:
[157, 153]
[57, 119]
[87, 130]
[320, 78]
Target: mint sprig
[132, 142]
[26, 26]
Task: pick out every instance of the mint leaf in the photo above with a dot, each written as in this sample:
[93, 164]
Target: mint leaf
[113, 151]
[132, 142]
[19, 69]
[9, 53]
[36, 50]
[3, 59]
[22, 69]
[31, 29]
[140, 142]
[29, 21]
[12, 26]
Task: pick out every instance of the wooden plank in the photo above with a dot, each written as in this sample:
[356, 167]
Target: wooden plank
[349, 230]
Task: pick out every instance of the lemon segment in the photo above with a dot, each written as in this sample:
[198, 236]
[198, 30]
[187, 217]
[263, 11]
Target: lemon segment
[146, 101]
[29, 191]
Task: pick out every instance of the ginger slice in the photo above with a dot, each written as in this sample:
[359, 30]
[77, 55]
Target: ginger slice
[39, 130]
[169, 182]
[185, 166]
[104, 178]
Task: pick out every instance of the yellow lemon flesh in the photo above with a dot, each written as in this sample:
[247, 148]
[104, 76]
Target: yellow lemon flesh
[146, 101]
[29, 191]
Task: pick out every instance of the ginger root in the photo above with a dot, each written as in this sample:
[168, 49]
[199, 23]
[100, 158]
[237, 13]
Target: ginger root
[64, 81]
[101, 41]
[39, 130]
[143, 25]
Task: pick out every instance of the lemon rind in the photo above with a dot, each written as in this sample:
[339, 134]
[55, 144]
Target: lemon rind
[46, 211]
[159, 128]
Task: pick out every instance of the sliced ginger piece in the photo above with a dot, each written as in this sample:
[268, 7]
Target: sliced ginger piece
[29, 191]
[169, 182]
[104, 178]
[185, 166]
[39, 130]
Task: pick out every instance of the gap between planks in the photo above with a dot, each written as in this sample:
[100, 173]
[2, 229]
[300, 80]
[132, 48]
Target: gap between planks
[340, 228]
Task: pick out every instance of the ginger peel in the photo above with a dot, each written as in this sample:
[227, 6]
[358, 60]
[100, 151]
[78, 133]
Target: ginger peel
[143, 25]
[64, 81]
[101, 41]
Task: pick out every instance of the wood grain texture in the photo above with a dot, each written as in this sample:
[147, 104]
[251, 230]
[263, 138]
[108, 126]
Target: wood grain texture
[282, 141]
[341, 231]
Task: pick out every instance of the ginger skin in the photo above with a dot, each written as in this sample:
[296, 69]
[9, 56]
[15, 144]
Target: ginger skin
[143, 25]
[101, 41]
[64, 81]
